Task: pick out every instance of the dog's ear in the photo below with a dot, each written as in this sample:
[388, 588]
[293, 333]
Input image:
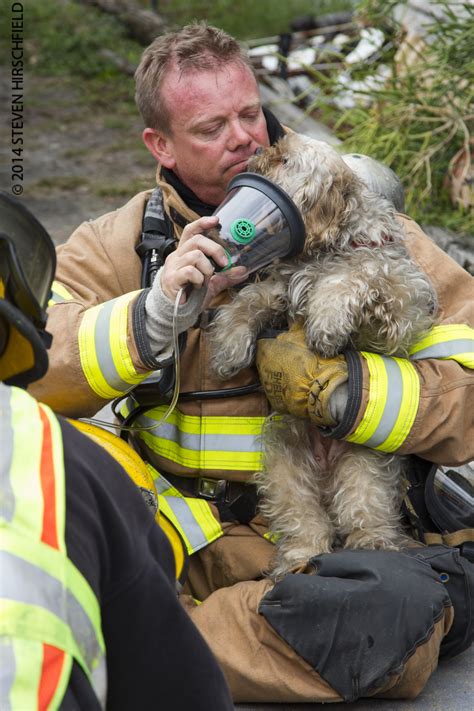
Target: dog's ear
[328, 201]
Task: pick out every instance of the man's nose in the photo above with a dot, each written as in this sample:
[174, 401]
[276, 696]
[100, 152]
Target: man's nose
[238, 136]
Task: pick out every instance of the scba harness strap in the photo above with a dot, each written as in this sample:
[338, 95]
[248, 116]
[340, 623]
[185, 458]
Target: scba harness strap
[157, 240]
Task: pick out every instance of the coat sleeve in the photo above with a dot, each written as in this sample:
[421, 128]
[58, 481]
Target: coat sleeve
[97, 351]
[423, 405]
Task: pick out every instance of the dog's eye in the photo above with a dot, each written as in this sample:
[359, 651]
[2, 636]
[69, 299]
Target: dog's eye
[284, 161]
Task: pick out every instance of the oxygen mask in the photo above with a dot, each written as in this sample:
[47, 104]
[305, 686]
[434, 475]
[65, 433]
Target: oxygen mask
[259, 224]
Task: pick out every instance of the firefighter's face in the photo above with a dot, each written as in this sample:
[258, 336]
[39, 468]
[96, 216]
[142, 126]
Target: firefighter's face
[217, 124]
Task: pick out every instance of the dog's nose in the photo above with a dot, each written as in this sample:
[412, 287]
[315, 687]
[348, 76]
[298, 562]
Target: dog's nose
[258, 150]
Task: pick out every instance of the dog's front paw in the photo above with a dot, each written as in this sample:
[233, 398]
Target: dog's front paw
[324, 341]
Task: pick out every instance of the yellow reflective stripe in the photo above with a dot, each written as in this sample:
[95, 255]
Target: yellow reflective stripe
[27, 432]
[210, 442]
[193, 518]
[272, 537]
[89, 361]
[376, 402]
[203, 459]
[59, 294]
[20, 620]
[103, 349]
[118, 341]
[394, 395]
[219, 425]
[465, 359]
[447, 342]
[28, 662]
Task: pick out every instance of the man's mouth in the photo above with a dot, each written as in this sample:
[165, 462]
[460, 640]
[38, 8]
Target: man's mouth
[239, 164]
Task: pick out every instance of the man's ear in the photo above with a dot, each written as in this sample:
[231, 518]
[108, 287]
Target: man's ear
[160, 146]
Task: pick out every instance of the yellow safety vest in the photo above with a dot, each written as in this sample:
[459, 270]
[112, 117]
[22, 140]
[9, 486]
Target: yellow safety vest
[49, 614]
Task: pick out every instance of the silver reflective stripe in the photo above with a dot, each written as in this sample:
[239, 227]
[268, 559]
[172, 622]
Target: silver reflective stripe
[99, 681]
[7, 497]
[103, 350]
[392, 404]
[444, 350]
[204, 441]
[21, 581]
[7, 672]
[162, 485]
[192, 530]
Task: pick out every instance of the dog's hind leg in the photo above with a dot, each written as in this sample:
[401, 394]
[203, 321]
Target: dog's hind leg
[366, 499]
[292, 495]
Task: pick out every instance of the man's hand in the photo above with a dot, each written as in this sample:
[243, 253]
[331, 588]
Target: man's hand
[295, 379]
[190, 264]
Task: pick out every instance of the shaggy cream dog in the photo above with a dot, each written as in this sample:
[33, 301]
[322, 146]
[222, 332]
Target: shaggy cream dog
[354, 285]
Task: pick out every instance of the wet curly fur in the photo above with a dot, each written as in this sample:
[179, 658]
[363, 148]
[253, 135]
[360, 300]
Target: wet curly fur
[354, 285]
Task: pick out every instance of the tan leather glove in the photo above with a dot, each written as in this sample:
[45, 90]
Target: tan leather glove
[295, 379]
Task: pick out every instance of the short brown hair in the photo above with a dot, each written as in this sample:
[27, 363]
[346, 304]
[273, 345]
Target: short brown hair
[195, 46]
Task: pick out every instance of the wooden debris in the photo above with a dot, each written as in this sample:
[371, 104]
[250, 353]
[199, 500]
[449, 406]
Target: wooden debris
[142, 25]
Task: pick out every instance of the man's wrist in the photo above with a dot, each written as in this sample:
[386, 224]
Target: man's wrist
[338, 402]
[159, 313]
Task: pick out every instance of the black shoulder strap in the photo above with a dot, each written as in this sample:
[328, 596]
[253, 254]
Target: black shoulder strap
[157, 240]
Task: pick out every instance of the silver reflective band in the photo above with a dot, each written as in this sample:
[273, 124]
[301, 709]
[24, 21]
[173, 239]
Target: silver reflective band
[99, 681]
[7, 672]
[204, 441]
[444, 350]
[103, 350]
[194, 534]
[188, 522]
[392, 404]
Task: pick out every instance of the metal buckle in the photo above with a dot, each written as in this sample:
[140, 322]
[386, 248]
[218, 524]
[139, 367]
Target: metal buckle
[212, 489]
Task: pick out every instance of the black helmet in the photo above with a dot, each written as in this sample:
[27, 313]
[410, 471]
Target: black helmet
[27, 266]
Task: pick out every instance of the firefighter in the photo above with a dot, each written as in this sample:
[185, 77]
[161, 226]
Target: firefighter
[90, 618]
[112, 313]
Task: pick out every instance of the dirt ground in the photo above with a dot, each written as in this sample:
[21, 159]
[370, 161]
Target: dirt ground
[79, 163]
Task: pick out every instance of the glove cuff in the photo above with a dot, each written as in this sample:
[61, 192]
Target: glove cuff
[159, 315]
